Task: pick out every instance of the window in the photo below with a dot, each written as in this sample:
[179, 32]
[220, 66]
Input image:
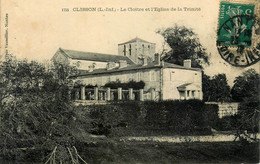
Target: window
[192, 94]
[124, 50]
[172, 75]
[130, 49]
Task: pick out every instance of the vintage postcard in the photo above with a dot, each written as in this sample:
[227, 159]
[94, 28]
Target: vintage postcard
[132, 81]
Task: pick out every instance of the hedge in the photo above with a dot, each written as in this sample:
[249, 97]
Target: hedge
[152, 118]
[131, 84]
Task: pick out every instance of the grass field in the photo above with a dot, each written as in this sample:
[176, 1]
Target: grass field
[154, 152]
[109, 151]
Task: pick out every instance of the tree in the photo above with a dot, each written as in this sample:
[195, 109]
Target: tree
[34, 109]
[246, 87]
[184, 44]
[215, 88]
[246, 91]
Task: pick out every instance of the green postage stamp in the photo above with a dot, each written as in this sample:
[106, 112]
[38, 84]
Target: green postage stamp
[236, 33]
[235, 24]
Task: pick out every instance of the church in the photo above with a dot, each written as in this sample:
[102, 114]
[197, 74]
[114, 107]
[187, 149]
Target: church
[136, 61]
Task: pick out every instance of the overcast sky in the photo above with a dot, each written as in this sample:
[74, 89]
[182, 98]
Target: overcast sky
[37, 28]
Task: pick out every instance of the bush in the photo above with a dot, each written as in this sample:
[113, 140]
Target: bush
[181, 117]
[227, 123]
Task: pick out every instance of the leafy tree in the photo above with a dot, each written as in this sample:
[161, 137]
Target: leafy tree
[184, 44]
[206, 87]
[246, 91]
[246, 87]
[215, 88]
[34, 109]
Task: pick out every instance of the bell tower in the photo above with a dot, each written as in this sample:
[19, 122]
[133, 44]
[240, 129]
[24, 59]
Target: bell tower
[137, 49]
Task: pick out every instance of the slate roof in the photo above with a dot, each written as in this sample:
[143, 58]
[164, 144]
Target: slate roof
[92, 56]
[135, 40]
[134, 67]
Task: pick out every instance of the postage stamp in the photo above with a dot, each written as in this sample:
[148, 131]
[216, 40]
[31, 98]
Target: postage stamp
[236, 36]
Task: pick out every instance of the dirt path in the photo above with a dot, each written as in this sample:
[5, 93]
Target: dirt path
[180, 139]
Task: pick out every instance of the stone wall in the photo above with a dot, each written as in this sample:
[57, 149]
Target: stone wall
[226, 109]
[136, 49]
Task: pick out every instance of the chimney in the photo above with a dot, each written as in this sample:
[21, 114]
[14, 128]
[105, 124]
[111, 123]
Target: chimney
[187, 63]
[122, 63]
[110, 65]
[157, 59]
[144, 61]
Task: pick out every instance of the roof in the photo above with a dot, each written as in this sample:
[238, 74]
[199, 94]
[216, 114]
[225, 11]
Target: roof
[170, 65]
[135, 40]
[80, 55]
[134, 67]
[188, 86]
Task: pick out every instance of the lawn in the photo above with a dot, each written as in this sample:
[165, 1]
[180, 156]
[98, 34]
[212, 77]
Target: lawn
[154, 152]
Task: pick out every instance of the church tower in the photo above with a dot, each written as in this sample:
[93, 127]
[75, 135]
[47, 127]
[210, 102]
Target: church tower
[136, 49]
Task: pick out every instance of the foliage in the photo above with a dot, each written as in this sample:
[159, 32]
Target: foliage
[131, 84]
[35, 113]
[247, 119]
[182, 117]
[215, 88]
[227, 123]
[246, 87]
[245, 90]
[249, 116]
[173, 117]
[184, 44]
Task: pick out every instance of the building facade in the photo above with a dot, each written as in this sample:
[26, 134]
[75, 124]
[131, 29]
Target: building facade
[137, 61]
[87, 60]
[137, 49]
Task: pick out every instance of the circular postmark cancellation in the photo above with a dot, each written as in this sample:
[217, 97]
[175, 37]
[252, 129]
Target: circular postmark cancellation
[238, 34]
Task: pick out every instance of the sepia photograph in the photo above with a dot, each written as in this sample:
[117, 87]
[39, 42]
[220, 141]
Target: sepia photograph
[129, 82]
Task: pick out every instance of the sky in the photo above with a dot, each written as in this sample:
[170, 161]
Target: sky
[36, 29]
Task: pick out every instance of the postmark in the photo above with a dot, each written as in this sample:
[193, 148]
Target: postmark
[237, 39]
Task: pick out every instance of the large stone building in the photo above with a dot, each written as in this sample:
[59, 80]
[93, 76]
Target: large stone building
[136, 60]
